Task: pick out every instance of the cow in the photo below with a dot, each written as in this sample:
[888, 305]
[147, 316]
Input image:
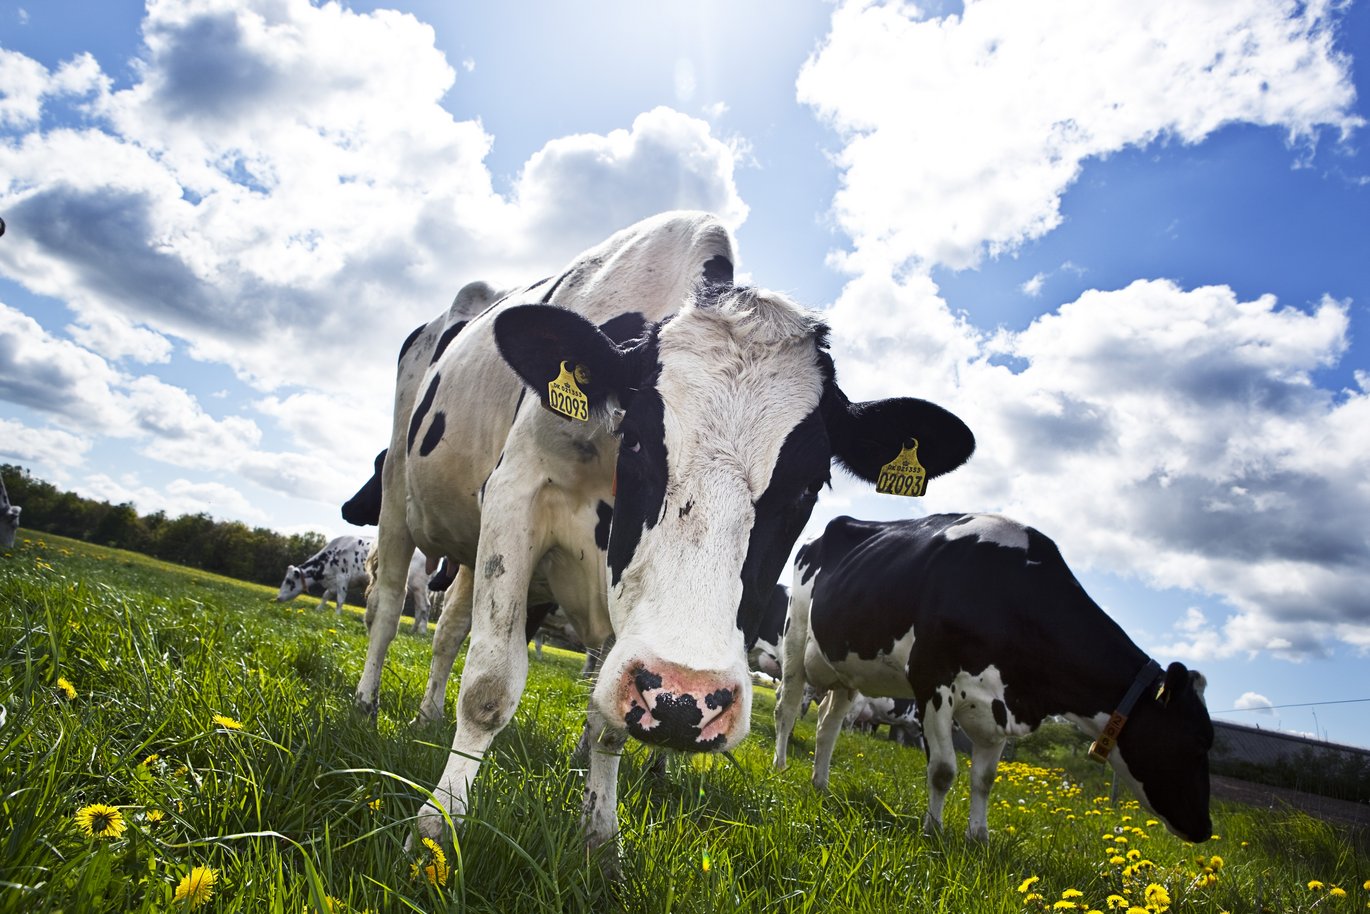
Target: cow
[9, 513]
[979, 620]
[335, 567]
[364, 508]
[641, 441]
[763, 655]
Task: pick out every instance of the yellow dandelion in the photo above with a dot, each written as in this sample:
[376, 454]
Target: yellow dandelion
[197, 887]
[1337, 892]
[1216, 862]
[1134, 854]
[1315, 886]
[1064, 905]
[1072, 893]
[1157, 896]
[1366, 885]
[100, 821]
[1136, 910]
[1116, 860]
[436, 867]
[151, 760]
[66, 688]
[227, 723]
[1028, 883]
[155, 816]
[1031, 897]
[375, 805]
[1115, 901]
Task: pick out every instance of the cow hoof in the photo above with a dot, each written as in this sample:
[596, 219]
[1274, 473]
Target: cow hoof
[369, 710]
[977, 835]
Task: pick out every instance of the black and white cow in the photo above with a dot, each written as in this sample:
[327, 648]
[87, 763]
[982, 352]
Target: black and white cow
[978, 619]
[650, 475]
[9, 516]
[335, 567]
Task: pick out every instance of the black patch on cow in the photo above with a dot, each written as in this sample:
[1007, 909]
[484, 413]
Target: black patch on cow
[448, 336]
[409, 340]
[434, 433]
[685, 511]
[625, 328]
[774, 619]
[641, 465]
[494, 566]
[536, 284]
[547, 298]
[1000, 712]
[937, 701]
[422, 410]
[605, 512]
[718, 271]
[802, 468]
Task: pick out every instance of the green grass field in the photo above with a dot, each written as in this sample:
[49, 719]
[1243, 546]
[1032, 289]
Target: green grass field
[207, 731]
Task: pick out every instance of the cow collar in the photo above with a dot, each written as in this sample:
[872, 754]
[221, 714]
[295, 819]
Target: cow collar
[1108, 737]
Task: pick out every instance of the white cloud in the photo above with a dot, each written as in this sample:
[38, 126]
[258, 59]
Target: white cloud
[1255, 701]
[961, 133]
[1033, 287]
[177, 497]
[257, 195]
[111, 335]
[1171, 435]
[45, 446]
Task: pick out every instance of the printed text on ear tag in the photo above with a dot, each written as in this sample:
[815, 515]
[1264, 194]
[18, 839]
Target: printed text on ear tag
[565, 397]
[903, 475]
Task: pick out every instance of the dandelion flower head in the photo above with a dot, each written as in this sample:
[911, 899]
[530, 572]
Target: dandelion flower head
[197, 887]
[100, 821]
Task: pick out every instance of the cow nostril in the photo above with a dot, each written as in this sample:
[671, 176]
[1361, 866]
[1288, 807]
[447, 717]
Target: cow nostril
[719, 699]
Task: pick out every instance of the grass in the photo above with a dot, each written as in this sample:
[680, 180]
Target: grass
[302, 807]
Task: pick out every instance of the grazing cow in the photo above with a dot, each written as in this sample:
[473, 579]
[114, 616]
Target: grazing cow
[9, 514]
[335, 567]
[763, 655]
[650, 475]
[978, 619]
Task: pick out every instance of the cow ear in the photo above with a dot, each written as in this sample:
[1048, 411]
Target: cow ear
[1177, 679]
[545, 343]
[866, 436]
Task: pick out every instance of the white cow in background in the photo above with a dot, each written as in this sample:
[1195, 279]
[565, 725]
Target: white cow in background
[335, 567]
[9, 514]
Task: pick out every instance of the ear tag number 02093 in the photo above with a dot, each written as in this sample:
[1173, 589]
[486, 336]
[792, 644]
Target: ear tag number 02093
[903, 475]
[565, 396]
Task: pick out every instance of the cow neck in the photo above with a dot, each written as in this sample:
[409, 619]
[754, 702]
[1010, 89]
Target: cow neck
[1108, 737]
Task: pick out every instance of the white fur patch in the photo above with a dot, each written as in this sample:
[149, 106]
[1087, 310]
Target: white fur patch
[990, 528]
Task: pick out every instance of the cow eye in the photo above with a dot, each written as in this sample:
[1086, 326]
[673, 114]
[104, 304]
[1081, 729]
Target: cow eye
[628, 441]
[815, 487]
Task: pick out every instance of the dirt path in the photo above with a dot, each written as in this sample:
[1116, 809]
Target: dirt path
[1341, 812]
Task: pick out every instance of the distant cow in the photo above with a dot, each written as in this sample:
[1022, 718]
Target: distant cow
[9, 514]
[978, 619]
[335, 567]
[650, 475]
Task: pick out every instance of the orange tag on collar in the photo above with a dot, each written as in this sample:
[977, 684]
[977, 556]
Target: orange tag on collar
[565, 396]
[903, 475]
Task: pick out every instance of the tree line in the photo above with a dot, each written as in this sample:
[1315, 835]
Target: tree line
[229, 548]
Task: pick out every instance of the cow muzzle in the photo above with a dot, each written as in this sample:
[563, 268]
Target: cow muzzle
[688, 710]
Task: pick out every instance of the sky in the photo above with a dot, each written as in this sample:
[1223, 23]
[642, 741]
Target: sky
[1126, 242]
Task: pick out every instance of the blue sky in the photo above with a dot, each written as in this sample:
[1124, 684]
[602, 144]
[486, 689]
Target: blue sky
[1127, 244]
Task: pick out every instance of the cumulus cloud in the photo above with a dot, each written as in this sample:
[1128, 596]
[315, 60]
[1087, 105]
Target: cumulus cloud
[257, 195]
[50, 446]
[1255, 701]
[1172, 435]
[961, 133]
[177, 497]
[254, 198]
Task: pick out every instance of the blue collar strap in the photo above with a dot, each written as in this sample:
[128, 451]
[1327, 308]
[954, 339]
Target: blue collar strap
[1108, 737]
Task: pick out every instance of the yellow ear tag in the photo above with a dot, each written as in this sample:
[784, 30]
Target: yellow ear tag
[904, 475]
[564, 395]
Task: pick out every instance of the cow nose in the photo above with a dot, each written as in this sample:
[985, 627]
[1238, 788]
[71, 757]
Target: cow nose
[683, 709]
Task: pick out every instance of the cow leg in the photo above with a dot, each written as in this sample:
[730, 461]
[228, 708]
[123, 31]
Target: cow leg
[830, 715]
[600, 812]
[984, 764]
[453, 626]
[789, 696]
[383, 607]
[421, 610]
[937, 724]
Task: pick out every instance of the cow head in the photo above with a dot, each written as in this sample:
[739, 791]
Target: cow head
[295, 583]
[728, 417]
[1162, 753]
[364, 508]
